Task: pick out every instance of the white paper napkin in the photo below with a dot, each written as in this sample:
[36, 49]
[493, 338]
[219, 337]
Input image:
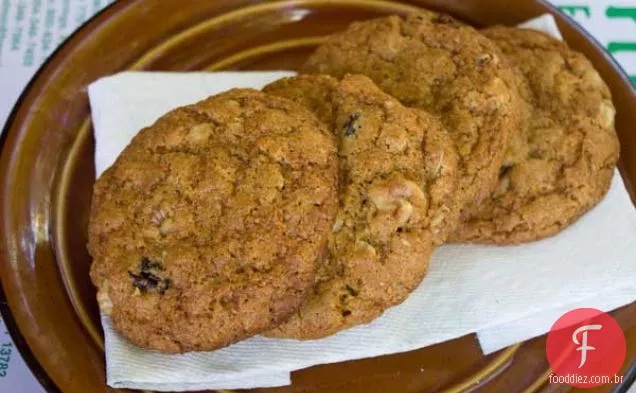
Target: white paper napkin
[504, 294]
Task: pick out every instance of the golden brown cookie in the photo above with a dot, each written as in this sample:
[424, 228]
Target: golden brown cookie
[560, 162]
[398, 172]
[433, 62]
[210, 225]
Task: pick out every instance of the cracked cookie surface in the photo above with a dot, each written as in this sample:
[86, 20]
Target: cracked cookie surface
[561, 161]
[398, 176]
[211, 223]
[433, 62]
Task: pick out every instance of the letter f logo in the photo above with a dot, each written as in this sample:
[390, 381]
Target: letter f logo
[584, 347]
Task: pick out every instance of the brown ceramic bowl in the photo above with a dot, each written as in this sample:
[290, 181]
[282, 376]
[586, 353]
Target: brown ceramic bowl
[47, 173]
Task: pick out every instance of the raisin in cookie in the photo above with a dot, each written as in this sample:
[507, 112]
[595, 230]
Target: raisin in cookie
[433, 62]
[560, 162]
[398, 172]
[211, 224]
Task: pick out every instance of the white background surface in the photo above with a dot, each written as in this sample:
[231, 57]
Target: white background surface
[31, 29]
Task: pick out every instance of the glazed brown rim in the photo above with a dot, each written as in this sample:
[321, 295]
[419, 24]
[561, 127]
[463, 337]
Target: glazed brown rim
[4, 309]
[18, 339]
